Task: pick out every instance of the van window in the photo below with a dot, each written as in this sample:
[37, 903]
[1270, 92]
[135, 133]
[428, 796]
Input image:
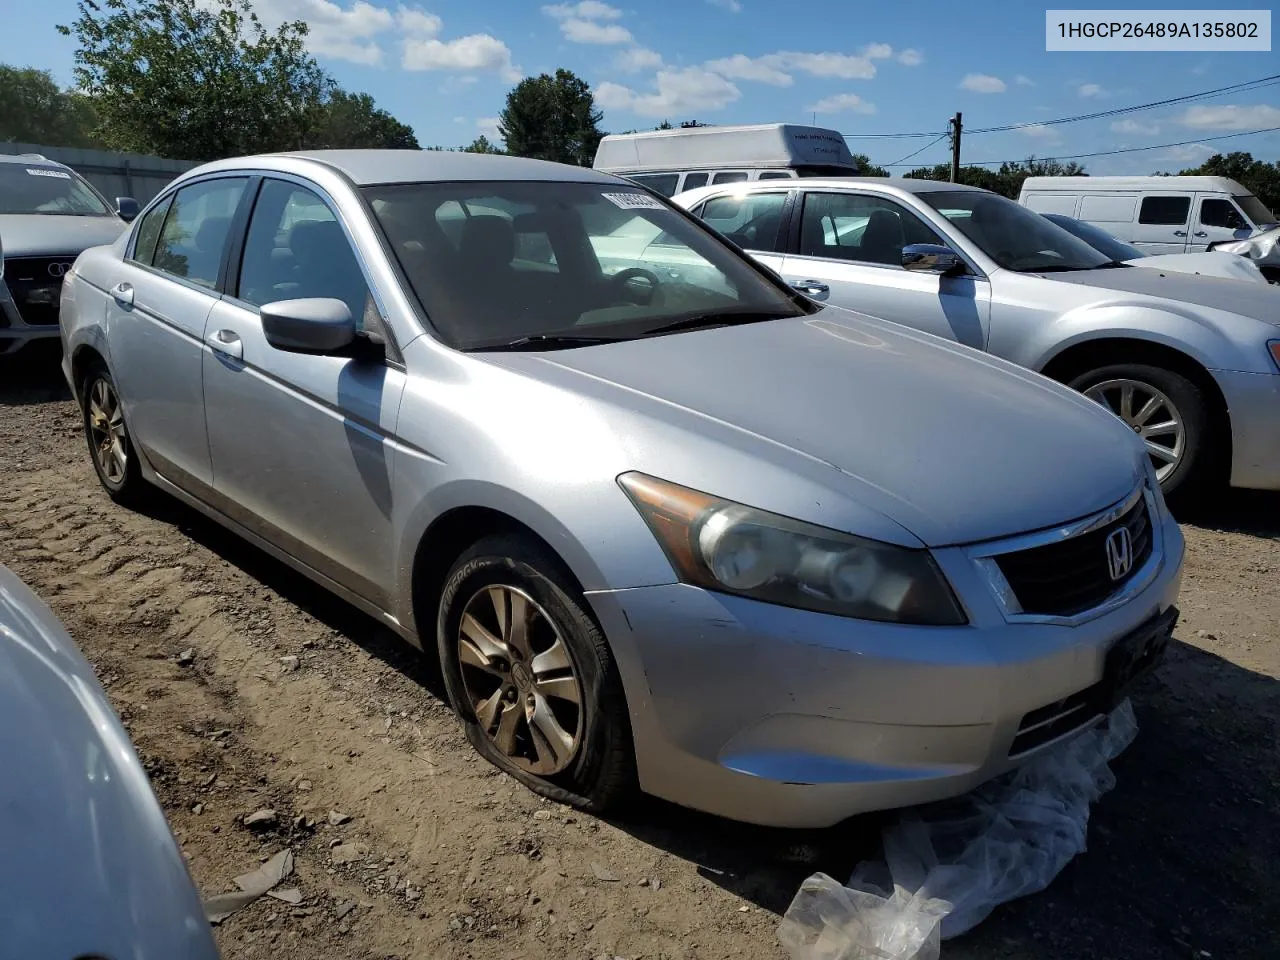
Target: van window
[1216, 212]
[733, 176]
[663, 183]
[1256, 210]
[1165, 211]
[1063, 203]
[751, 222]
[693, 180]
[1107, 209]
[774, 175]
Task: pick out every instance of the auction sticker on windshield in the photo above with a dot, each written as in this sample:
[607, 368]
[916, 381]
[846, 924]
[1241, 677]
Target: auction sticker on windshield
[633, 201]
[59, 174]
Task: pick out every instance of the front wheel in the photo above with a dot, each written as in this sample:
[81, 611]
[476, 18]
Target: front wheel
[1166, 410]
[531, 675]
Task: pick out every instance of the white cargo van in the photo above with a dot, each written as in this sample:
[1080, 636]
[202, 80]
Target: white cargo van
[1155, 214]
[672, 161]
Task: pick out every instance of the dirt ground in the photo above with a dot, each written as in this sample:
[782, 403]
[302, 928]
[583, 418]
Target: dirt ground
[245, 688]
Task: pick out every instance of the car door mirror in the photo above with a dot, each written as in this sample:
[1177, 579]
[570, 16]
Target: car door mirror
[127, 208]
[931, 258]
[310, 325]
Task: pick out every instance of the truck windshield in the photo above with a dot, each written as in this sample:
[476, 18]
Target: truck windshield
[36, 189]
[1014, 237]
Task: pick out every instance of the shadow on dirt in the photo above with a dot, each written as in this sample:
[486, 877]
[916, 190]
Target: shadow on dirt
[1254, 512]
[33, 375]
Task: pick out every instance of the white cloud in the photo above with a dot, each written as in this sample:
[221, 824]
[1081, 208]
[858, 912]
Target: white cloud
[877, 51]
[1231, 117]
[841, 65]
[742, 67]
[841, 102]
[589, 31]
[586, 10]
[733, 6]
[1024, 81]
[911, 57]
[1038, 130]
[488, 126]
[478, 51]
[1134, 127]
[1189, 153]
[341, 33]
[1091, 90]
[419, 22]
[637, 59]
[678, 91]
[982, 83]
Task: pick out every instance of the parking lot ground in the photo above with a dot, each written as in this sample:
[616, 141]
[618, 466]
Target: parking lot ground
[246, 688]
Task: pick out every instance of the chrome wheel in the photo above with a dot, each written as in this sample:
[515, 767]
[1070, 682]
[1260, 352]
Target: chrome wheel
[520, 680]
[1150, 414]
[107, 434]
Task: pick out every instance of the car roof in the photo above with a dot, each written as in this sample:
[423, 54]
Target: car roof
[31, 159]
[1109, 184]
[369, 167]
[881, 184]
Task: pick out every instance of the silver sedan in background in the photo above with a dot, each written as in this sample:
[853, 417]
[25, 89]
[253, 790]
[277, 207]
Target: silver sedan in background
[663, 520]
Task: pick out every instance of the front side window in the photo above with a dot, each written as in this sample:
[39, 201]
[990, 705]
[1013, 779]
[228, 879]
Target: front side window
[40, 189]
[1014, 237]
[1215, 212]
[195, 230]
[751, 220]
[1164, 211]
[296, 248]
[563, 260]
[851, 226]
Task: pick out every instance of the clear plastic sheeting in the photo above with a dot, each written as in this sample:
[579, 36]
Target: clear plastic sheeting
[1262, 248]
[947, 866]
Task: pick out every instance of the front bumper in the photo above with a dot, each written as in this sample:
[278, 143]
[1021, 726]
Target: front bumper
[789, 718]
[14, 331]
[1253, 401]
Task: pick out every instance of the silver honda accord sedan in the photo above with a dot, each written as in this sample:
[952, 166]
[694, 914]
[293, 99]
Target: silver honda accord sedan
[665, 522]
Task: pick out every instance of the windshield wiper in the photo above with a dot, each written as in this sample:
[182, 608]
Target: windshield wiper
[705, 320]
[550, 341]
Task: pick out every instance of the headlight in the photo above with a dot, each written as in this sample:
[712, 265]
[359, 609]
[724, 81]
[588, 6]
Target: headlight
[725, 546]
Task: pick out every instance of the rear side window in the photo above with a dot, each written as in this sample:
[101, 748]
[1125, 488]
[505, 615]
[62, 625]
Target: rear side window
[692, 180]
[144, 247]
[730, 176]
[663, 183]
[1164, 211]
[774, 175]
[751, 221]
[195, 230]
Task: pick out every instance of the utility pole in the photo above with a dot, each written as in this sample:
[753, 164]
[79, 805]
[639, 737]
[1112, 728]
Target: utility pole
[955, 148]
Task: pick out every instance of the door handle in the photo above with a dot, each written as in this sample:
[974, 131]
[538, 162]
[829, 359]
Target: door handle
[228, 343]
[1201, 233]
[122, 293]
[812, 288]
[1179, 233]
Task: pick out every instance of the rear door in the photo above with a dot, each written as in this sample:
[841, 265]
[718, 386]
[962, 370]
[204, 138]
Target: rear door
[1163, 223]
[846, 248]
[168, 283]
[1217, 218]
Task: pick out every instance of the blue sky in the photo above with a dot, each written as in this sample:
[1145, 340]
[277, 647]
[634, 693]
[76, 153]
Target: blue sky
[861, 68]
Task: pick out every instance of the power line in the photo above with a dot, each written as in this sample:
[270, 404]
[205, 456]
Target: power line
[897, 163]
[1108, 153]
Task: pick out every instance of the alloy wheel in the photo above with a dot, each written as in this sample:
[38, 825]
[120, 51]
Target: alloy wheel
[521, 680]
[1150, 414]
[107, 433]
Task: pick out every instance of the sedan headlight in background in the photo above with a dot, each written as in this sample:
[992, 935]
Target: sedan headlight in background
[725, 546]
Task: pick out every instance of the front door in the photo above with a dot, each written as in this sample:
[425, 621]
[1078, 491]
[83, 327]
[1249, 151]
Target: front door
[1217, 218]
[301, 443]
[156, 319]
[849, 253]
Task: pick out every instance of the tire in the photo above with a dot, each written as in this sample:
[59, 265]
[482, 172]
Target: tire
[1195, 467]
[597, 769]
[103, 418]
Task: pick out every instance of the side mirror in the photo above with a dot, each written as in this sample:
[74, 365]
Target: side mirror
[127, 208]
[931, 258]
[312, 325]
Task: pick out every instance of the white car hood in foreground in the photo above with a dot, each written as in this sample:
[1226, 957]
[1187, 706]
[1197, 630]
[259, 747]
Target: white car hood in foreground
[1230, 266]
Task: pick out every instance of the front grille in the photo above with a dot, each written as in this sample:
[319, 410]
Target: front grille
[1074, 575]
[35, 288]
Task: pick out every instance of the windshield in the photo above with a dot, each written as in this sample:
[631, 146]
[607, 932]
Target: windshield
[1013, 236]
[37, 189]
[493, 263]
[1255, 210]
[1096, 237]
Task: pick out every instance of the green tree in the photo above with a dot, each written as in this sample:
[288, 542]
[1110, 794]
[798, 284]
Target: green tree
[866, 168]
[195, 79]
[354, 121]
[481, 144]
[33, 109]
[1007, 180]
[552, 118]
[1260, 178]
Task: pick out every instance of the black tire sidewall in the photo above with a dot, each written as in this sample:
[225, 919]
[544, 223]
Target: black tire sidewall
[593, 780]
[1193, 471]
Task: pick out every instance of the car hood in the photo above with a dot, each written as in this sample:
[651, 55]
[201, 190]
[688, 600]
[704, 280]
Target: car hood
[1254, 300]
[1230, 266]
[37, 235]
[954, 445]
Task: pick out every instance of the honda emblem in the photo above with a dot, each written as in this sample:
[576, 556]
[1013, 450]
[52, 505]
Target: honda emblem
[1119, 553]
